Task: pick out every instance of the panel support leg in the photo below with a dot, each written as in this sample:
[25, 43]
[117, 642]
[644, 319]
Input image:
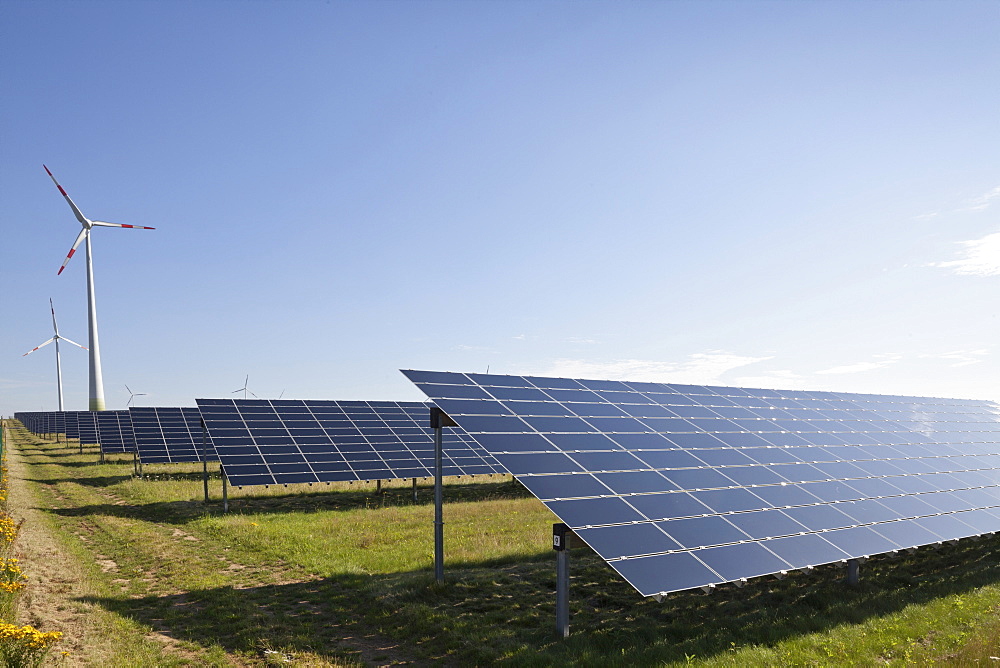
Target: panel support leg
[225, 493]
[853, 572]
[204, 457]
[414, 490]
[439, 420]
[560, 543]
[378, 486]
[438, 510]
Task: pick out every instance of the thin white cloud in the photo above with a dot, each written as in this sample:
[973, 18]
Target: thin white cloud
[576, 340]
[881, 362]
[463, 347]
[960, 357]
[983, 201]
[699, 368]
[981, 257]
[784, 379]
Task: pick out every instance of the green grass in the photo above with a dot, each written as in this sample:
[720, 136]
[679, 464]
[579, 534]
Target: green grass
[333, 575]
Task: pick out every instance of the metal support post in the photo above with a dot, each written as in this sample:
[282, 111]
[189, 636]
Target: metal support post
[378, 486]
[560, 543]
[439, 420]
[225, 492]
[414, 490]
[204, 457]
[853, 568]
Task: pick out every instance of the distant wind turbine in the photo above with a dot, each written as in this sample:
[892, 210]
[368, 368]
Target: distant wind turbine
[96, 377]
[133, 395]
[244, 389]
[56, 338]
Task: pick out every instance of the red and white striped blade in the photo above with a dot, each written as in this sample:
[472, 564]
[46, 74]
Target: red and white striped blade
[63, 338]
[101, 223]
[42, 345]
[83, 233]
[76, 210]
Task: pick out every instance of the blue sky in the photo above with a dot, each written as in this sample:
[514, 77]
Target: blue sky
[800, 195]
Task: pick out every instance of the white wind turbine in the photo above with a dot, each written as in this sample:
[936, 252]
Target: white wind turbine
[96, 377]
[245, 388]
[57, 338]
[133, 395]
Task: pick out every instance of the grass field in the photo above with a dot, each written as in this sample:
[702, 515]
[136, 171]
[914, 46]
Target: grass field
[341, 575]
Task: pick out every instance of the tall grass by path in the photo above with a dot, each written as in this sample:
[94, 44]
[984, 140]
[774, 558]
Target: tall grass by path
[333, 577]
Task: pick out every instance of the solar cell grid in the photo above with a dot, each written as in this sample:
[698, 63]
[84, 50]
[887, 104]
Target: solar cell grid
[262, 442]
[114, 431]
[166, 435]
[734, 481]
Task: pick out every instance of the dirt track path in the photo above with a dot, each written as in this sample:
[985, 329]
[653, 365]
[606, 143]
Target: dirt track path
[56, 581]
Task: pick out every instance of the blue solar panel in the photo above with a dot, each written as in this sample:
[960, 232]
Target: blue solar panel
[683, 486]
[114, 431]
[262, 442]
[82, 425]
[170, 435]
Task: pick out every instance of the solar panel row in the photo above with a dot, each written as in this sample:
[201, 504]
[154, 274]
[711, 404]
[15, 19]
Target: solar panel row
[170, 435]
[262, 442]
[688, 486]
[114, 431]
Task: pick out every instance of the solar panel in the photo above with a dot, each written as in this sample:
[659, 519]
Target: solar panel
[264, 442]
[82, 425]
[169, 435]
[684, 486]
[114, 431]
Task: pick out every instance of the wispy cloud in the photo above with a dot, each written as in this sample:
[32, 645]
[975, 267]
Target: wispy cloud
[880, 362]
[960, 357]
[784, 379]
[983, 201]
[704, 367]
[576, 340]
[466, 348]
[981, 257]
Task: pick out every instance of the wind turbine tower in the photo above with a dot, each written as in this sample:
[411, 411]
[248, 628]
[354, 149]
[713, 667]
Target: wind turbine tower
[55, 338]
[96, 378]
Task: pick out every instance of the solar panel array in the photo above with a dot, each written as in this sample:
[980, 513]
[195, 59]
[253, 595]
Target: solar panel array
[263, 442]
[684, 486]
[114, 431]
[82, 425]
[43, 422]
[170, 435]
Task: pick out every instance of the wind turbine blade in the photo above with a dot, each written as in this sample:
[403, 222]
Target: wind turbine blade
[55, 327]
[235, 391]
[41, 345]
[63, 338]
[101, 223]
[254, 395]
[128, 390]
[76, 210]
[83, 233]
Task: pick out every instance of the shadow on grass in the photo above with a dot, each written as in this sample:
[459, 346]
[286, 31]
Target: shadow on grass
[505, 614]
[93, 481]
[181, 512]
